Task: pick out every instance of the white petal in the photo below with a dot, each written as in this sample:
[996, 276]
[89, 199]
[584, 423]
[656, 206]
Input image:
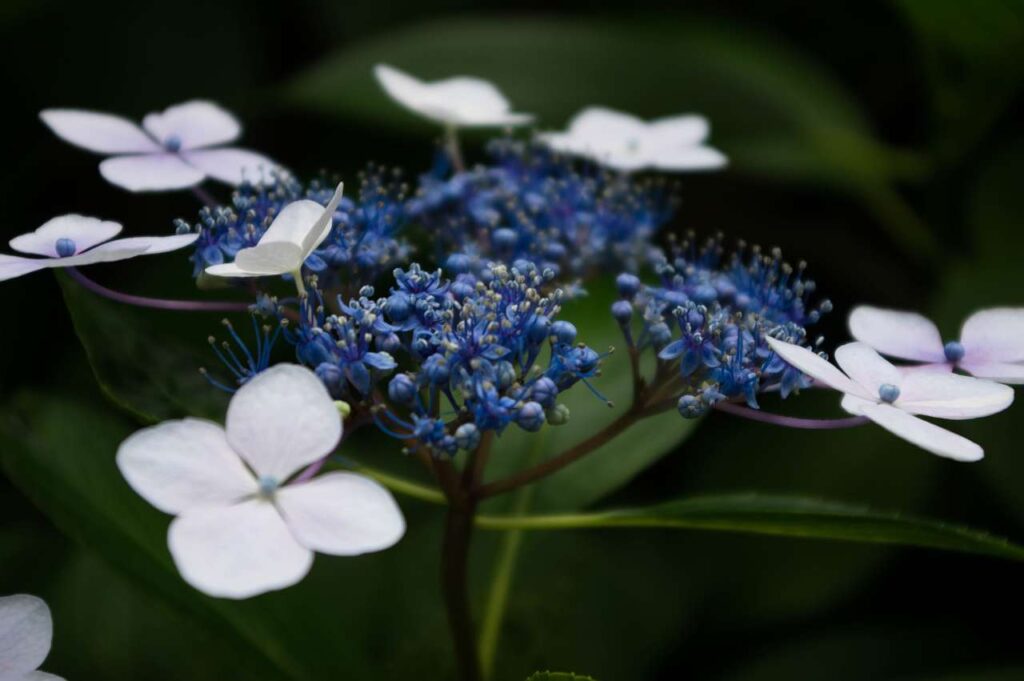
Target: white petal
[906, 335]
[12, 266]
[183, 465]
[151, 172]
[264, 259]
[324, 223]
[952, 396]
[283, 419]
[923, 434]
[1003, 372]
[118, 249]
[230, 269]
[157, 244]
[39, 676]
[26, 630]
[688, 130]
[690, 158]
[867, 367]
[817, 368]
[195, 124]
[99, 132]
[233, 166]
[600, 126]
[294, 223]
[237, 551]
[342, 514]
[84, 231]
[995, 335]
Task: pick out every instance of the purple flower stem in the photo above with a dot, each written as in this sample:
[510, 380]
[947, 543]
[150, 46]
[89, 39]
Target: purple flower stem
[156, 303]
[311, 470]
[205, 197]
[789, 421]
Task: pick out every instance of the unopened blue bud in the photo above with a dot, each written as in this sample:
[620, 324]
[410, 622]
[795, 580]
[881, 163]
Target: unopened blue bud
[331, 376]
[504, 239]
[401, 389]
[458, 263]
[467, 436]
[399, 307]
[622, 310]
[660, 334]
[628, 284]
[506, 375]
[540, 329]
[691, 406]
[435, 368]
[564, 332]
[544, 391]
[530, 417]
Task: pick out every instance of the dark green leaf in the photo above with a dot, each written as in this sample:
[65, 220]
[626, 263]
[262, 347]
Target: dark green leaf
[780, 516]
[558, 676]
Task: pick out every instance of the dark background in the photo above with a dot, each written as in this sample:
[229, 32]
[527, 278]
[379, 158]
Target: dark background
[879, 141]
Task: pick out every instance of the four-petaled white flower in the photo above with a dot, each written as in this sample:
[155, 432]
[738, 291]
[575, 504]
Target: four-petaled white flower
[240, 530]
[624, 142]
[894, 399]
[26, 631]
[459, 102]
[295, 233]
[76, 240]
[991, 341]
[174, 149]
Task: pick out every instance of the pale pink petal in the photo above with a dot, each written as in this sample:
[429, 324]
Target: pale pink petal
[152, 172]
[193, 125]
[855, 405]
[12, 266]
[237, 551]
[817, 368]
[232, 165]
[281, 420]
[995, 335]
[182, 465]
[867, 367]
[906, 335]
[1003, 372]
[952, 396]
[26, 630]
[118, 249]
[342, 514]
[99, 132]
[923, 434]
[84, 232]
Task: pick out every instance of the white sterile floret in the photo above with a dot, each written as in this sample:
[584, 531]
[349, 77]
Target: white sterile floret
[173, 149]
[26, 631]
[894, 399]
[76, 240]
[240, 528]
[624, 142]
[991, 341]
[295, 233]
[459, 102]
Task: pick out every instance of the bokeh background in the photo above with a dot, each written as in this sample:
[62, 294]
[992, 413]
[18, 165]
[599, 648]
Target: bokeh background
[878, 140]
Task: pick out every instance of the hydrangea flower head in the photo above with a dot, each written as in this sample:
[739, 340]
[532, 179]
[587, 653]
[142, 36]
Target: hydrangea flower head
[173, 149]
[241, 528]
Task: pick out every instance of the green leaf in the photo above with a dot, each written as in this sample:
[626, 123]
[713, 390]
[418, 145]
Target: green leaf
[780, 516]
[558, 676]
[141, 359]
[774, 111]
[607, 468]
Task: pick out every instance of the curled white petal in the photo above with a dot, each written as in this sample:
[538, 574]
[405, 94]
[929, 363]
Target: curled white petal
[342, 514]
[26, 630]
[281, 420]
[237, 551]
[84, 233]
[183, 465]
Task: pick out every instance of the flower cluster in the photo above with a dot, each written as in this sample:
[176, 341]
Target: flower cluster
[363, 241]
[473, 350]
[711, 315]
[533, 205]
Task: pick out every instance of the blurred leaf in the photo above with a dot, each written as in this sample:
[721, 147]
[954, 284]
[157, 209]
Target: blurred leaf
[775, 112]
[138, 357]
[974, 57]
[558, 676]
[609, 467]
[781, 516]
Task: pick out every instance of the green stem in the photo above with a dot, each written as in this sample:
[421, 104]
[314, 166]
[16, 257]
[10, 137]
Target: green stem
[403, 486]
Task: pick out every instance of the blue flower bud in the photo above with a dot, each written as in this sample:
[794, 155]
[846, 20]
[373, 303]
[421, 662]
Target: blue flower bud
[540, 329]
[544, 391]
[467, 436]
[628, 284]
[399, 307]
[564, 332]
[691, 406]
[660, 334]
[557, 415]
[458, 263]
[622, 310]
[506, 374]
[401, 389]
[504, 239]
[389, 343]
[331, 376]
[435, 369]
[530, 417]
